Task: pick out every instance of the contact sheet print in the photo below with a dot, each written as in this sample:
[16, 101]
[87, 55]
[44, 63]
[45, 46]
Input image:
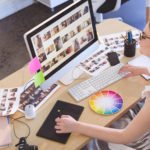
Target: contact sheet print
[9, 100]
[115, 42]
[97, 62]
[36, 96]
[12, 99]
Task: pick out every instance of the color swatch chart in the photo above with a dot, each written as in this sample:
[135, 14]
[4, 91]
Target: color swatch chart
[106, 102]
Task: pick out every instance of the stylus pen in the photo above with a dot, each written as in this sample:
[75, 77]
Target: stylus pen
[59, 113]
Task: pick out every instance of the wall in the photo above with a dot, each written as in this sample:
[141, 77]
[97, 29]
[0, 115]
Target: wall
[8, 7]
[132, 12]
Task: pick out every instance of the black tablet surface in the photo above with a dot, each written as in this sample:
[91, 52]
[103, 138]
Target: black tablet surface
[48, 131]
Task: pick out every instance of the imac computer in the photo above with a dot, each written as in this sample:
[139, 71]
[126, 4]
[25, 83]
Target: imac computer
[63, 41]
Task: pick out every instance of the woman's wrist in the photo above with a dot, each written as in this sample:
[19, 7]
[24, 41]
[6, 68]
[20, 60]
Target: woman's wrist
[75, 126]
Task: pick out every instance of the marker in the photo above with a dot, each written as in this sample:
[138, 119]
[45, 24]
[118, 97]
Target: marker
[129, 36]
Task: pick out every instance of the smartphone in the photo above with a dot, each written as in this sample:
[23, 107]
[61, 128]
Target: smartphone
[113, 58]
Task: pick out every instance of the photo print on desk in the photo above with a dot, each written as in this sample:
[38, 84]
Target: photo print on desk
[115, 41]
[97, 62]
[9, 100]
[36, 96]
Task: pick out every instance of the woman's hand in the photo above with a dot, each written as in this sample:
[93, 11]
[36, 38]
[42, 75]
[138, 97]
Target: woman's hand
[65, 124]
[133, 70]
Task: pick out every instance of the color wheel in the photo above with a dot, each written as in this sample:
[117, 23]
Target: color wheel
[106, 102]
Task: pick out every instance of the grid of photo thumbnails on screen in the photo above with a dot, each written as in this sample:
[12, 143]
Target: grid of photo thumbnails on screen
[58, 42]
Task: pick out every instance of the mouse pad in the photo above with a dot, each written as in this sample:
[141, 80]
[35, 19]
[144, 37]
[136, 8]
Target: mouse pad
[48, 131]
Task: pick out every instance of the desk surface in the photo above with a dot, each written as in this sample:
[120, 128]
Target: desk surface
[129, 88]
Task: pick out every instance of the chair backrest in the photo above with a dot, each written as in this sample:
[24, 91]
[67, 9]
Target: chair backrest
[118, 4]
[105, 4]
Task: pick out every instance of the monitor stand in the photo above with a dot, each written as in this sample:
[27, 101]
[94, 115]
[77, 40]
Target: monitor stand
[70, 76]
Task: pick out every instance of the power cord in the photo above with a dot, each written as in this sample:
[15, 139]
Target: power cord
[22, 144]
[17, 119]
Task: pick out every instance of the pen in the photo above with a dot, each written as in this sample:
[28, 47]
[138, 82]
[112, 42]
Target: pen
[8, 119]
[129, 36]
[123, 37]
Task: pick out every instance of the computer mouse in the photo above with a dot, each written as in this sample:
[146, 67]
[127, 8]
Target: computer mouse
[30, 112]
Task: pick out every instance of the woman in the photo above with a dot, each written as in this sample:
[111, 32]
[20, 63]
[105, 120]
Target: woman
[139, 126]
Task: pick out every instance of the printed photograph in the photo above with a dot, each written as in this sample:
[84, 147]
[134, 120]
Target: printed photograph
[69, 50]
[50, 49]
[56, 29]
[45, 68]
[37, 40]
[42, 57]
[65, 38]
[61, 56]
[83, 40]
[79, 28]
[72, 33]
[46, 36]
[63, 25]
[86, 9]
[76, 45]
[34, 95]
[58, 43]
[89, 34]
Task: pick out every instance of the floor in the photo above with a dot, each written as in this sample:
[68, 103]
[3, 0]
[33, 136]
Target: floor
[13, 52]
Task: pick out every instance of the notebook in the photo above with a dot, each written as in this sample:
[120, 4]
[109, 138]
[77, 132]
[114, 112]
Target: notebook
[5, 132]
[47, 129]
[141, 61]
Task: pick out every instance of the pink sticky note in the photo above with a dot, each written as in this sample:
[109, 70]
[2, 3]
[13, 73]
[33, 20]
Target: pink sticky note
[34, 65]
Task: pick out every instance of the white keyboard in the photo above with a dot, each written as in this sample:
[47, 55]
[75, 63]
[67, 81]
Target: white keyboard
[96, 83]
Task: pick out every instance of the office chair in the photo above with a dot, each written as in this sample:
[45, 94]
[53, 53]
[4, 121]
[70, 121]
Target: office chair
[104, 6]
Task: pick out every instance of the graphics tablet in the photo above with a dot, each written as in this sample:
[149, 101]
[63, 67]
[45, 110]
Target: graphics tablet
[48, 131]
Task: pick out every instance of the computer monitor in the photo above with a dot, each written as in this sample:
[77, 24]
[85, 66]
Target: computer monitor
[64, 40]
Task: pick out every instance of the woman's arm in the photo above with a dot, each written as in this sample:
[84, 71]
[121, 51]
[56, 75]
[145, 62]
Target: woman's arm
[134, 70]
[139, 125]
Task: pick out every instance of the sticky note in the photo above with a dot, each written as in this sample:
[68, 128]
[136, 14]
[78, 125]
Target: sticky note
[38, 79]
[34, 65]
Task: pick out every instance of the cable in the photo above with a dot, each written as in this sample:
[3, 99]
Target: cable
[16, 119]
[27, 84]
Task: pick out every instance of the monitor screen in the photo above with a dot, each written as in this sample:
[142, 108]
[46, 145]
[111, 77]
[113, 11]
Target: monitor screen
[63, 37]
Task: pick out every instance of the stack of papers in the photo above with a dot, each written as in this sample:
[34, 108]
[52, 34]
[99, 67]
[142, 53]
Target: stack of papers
[5, 132]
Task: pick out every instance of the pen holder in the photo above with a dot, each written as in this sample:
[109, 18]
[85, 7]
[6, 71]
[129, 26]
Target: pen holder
[129, 48]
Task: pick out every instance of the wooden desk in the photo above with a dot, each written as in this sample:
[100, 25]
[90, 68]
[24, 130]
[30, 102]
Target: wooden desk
[129, 88]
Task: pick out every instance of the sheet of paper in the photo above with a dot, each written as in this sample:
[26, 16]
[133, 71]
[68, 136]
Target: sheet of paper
[97, 61]
[141, 61]
[36, 96]
[115, 42]
[34, 65]
[39, 79]
[9, 100]
[5, 132]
